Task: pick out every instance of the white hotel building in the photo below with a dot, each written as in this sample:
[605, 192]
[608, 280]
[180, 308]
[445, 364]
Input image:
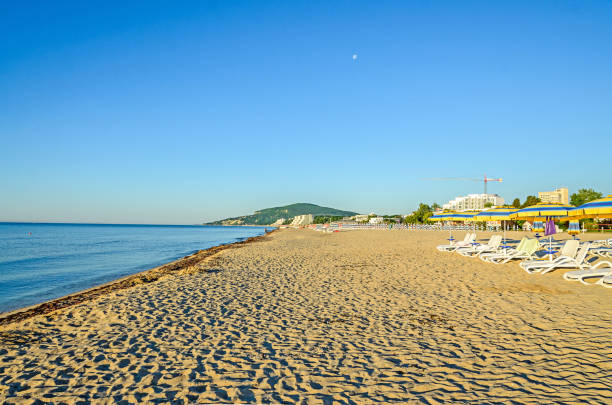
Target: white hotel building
[473, 202]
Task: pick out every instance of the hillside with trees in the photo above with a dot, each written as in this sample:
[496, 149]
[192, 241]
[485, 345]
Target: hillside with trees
[270, 215]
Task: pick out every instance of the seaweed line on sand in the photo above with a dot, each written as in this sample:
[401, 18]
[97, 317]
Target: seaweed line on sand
[144, 277]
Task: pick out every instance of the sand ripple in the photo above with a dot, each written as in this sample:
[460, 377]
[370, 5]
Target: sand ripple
[368, 316]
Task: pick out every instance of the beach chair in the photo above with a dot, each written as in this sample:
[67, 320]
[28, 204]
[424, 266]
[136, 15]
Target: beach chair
[503, 251]
[467, 241]
[605, 281]
[601, 269]
[567, 258]
[525, 250]
[600, 243]
[603, 251]
[491, 246]
[569, 249]
[578, 262]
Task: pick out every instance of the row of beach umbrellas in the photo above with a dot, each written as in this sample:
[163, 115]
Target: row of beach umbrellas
[601, 208]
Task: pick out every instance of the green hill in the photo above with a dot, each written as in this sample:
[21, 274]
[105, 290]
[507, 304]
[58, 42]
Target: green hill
[270, 215]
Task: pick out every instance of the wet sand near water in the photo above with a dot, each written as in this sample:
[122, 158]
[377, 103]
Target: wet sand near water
[302, 316]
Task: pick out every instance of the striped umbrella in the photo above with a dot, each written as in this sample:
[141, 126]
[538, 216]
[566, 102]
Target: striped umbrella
[538, 225]
[440, 216]
[601, 208]
[452, 216]
[496, 214]
[574, 228]
[546, 210]
[549, 210]
[462, 216]
[466, 216]
[539, 212]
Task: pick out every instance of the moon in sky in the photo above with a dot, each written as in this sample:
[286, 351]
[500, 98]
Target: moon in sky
[354, 56]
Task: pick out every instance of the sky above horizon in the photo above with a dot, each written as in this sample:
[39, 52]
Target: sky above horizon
[179, 114]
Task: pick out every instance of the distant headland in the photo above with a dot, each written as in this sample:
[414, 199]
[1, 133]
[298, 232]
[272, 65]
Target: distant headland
[280, 215]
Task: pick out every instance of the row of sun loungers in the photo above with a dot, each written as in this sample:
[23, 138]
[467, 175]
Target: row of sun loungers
[467, 241]
[526, 249]
[572, 255]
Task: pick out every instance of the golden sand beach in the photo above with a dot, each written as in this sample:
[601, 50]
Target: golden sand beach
[301, 316]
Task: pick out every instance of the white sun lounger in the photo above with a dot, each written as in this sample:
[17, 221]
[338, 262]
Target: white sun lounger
[603, 251]
[504, 252]
[525, 250]
[467, 241]
[491, 246]
[566, 255]
[601, 269]
[577, 262]
[600, 243]
[605, 281]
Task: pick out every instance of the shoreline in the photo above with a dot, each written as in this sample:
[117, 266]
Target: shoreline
[142, 277]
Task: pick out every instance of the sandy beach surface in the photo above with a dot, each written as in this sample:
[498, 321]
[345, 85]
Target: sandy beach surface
[307, 317]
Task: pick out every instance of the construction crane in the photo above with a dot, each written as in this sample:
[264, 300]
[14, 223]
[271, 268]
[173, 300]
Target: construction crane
[485, 180]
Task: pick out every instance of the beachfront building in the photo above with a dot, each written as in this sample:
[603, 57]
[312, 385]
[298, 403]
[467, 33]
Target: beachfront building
[376, 220]
[278, 222]
[560, 195]
[301, 220]
[361, 218]
[473, 202]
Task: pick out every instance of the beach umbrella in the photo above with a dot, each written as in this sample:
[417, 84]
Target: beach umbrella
[496, 214]
[574, 228]
[538, 226]
[467, 216]
[600, 208]
[550, 211]
[544, 210]
[440, 216]
[443, 216]
[452, 216]
[550, 228]
[463, 216]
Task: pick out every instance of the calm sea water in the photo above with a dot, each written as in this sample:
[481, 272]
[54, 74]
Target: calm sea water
[39, 262]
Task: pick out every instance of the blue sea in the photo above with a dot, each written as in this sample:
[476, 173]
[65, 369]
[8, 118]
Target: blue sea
[40, 262]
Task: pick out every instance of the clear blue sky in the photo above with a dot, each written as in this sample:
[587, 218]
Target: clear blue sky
[168, 113]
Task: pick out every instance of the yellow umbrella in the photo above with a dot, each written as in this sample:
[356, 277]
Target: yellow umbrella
[466, 216]
[496, 214]
[600, 208]
[463, 216]
[443, 216]
[538, 212]
[538, 225]
[547, 210]
[550, 210]
[452, 216]
[440, 216]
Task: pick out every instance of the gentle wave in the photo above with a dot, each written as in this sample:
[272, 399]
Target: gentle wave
[39, 262]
